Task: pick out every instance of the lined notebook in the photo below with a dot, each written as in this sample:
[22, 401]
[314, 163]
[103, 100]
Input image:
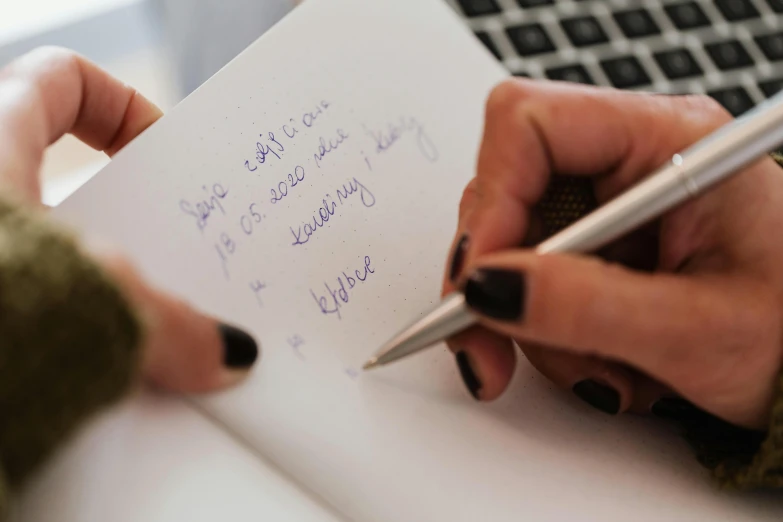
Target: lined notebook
[308, 193]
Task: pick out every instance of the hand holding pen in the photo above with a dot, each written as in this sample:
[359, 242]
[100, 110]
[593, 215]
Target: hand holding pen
[690, 305]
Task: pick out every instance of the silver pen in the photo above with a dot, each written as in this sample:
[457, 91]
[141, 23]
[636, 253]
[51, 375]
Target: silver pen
[693, 171]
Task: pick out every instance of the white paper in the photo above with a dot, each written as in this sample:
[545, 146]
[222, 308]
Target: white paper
[396, 88]
[155, 459]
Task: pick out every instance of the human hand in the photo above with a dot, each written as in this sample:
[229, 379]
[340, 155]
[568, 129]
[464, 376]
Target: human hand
[51, 92]
[698, 312]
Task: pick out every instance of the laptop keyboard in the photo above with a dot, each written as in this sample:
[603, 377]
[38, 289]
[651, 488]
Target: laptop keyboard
[731, 50]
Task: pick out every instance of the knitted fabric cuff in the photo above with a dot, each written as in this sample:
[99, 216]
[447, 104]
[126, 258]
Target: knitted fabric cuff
[760, 463]
[69, 341]
[3, 497]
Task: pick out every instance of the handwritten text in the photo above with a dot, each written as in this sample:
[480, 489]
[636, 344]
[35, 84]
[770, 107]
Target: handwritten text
[337, 297]
[328, 209]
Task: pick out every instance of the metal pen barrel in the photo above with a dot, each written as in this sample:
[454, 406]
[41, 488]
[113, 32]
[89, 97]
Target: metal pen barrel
[689, 173]
[727, 150]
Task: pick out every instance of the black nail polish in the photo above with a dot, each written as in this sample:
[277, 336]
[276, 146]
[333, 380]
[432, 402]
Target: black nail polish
[598, 396]
[497, 293]
[458, 258]
[240, 351]
[468, 375]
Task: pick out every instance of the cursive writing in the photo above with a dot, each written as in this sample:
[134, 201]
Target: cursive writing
[337, 297]
[328, 209]
[203, 209]
[273, 144]
[272, 147]
[384, 139]
[308, 118]
[327, 147]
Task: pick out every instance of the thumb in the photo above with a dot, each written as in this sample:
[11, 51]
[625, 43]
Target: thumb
[584, 305]
[184, 351]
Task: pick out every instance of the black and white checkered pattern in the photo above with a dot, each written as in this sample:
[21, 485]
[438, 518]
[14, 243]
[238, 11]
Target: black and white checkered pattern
[729, 49]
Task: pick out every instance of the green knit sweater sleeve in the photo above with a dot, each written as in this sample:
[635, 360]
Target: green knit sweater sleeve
[69, 342]
[762, 465]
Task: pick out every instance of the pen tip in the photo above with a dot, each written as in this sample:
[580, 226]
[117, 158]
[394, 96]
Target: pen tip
[369, 365]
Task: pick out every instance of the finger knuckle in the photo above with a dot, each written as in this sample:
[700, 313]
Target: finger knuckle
[54, 52]
[673, 122]
[505, 96]
[701, 107]
[54, 56]
[702, 102]
[470, 195]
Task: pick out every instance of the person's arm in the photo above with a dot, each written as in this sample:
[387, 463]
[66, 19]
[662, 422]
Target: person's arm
[69, 341]
[76, 330]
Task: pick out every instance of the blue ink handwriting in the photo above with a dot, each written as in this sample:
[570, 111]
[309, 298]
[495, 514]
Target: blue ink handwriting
[256, 287]
[386, 139]
[296, 342]
[203, 209]
[248, 221]
[225, 247]
[272, 145]
[328, 209]
[296, 177]
[308, 119]
[332, 145]
[336, 298]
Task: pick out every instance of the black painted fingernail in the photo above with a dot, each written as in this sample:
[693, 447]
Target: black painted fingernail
[468, 375]
[497, 293]
[458, 257]
[673, 408]
[240, 351]
[599, 396]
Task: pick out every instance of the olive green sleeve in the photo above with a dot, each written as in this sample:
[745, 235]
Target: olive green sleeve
[69, 342]
[761, 466]
[738, 458]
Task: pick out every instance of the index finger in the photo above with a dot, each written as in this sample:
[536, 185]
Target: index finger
[536, 129]
[50, 92]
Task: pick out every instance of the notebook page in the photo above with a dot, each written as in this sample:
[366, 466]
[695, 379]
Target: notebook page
[308, 192]
[134, 464]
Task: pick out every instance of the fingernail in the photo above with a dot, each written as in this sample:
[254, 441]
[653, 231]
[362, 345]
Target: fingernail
[240, 351]
[599, 396]
[468, 375]
[673, 408]
[496, 293]
[458, 258]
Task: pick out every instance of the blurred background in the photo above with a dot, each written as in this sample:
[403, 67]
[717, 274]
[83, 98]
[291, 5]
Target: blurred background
[731, 50]
[164, 48]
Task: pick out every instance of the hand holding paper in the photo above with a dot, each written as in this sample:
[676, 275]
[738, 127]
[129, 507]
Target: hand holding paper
[51, 92]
